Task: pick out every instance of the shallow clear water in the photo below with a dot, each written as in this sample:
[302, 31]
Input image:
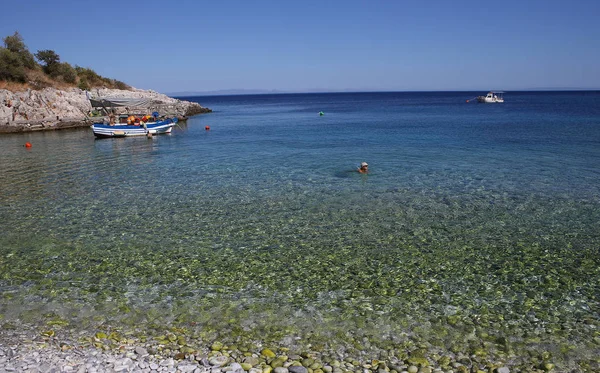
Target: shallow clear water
[477, 226]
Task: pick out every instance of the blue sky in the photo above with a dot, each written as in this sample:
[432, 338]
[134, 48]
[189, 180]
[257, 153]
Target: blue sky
[320, 45]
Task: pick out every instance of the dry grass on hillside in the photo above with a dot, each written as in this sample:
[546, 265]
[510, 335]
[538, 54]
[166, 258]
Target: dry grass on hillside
[36, 80]
[12, 86]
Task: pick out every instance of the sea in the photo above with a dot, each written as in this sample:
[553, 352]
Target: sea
[475, 233]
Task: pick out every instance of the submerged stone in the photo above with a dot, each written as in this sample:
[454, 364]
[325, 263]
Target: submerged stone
[297, 369]
[218, 361]
[268, 353]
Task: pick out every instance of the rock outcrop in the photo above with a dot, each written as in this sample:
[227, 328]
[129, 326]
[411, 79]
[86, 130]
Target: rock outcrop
[51, 108]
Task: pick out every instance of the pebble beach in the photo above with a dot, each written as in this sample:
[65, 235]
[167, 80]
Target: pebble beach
[51, 354]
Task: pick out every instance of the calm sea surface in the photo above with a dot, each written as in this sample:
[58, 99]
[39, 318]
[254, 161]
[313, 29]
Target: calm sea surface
[478, 226]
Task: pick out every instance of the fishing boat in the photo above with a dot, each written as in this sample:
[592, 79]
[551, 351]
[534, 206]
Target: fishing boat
[132, 122]
[124, 130]
[491, 97]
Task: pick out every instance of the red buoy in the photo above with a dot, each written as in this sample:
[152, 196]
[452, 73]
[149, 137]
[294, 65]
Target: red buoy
[28, 145]
[207, 128]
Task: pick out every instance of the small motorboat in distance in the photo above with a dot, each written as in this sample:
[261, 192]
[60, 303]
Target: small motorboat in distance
[491, 97]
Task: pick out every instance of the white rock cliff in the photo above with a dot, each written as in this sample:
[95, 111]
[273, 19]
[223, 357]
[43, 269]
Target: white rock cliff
[51, 108]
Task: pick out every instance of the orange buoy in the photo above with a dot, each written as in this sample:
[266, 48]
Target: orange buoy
[467, 100]
[207, 128]
[28, 145]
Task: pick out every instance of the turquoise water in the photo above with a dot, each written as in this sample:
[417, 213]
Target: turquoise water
[476, 231]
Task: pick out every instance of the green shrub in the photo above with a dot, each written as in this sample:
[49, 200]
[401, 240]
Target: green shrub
[83, 84]
[67, 72]
[11, 66]
[95, 80]
[88, 74]
[120, 85]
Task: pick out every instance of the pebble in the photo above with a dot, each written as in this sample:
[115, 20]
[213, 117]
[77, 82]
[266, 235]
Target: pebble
[297, 369]
[141, 351]
[251, 360]
[218, 361]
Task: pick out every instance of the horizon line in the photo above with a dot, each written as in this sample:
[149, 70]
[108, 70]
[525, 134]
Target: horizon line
[240, 92]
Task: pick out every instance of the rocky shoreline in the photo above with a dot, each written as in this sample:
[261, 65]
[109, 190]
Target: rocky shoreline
[108, 351]
[52, 109]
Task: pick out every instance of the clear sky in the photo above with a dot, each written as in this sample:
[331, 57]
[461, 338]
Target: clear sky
[175, 46]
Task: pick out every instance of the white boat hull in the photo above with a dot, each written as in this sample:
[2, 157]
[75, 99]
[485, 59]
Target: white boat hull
[157, 128]
[487, 100]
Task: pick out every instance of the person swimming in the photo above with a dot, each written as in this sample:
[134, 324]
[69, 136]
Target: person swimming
[364, 168]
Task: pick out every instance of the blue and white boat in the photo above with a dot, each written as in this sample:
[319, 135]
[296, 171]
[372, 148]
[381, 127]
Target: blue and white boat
[125, 130]
[130, 124]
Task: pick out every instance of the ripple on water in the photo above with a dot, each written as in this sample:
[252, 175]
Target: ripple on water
[236, 244]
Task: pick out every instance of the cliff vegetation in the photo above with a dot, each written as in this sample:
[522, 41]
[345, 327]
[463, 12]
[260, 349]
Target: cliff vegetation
[21, 70]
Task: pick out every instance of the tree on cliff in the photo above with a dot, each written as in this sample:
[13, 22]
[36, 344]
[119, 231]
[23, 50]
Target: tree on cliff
[50, 61]
[52, 66]
[15, 58]
[16, 45]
